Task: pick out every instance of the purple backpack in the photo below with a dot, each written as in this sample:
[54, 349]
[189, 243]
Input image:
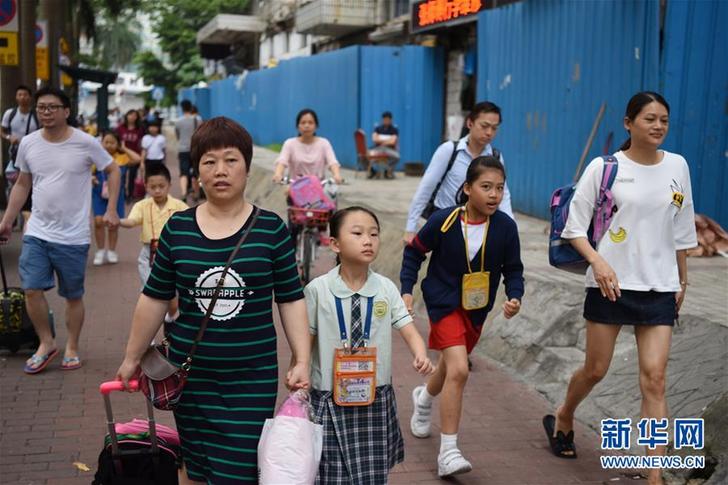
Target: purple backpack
[561, 253]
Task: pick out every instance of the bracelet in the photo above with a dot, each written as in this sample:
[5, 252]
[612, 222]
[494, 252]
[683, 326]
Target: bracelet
[684, 283]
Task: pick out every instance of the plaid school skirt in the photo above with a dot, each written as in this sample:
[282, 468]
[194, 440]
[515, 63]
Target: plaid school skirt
[361, 443]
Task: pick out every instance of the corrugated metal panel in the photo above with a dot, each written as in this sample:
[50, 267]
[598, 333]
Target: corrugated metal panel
[696, 86]
[348, 89]
[200, 97]
[408, 82]
[549, 66]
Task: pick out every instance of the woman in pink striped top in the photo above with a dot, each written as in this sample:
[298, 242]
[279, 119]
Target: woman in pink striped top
[307, 154]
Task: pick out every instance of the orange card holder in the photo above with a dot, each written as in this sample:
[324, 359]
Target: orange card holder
[355, 377]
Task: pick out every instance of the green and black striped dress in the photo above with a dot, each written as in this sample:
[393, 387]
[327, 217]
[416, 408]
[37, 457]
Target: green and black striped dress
[234, 377]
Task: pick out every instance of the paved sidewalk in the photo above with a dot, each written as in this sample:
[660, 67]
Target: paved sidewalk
[51, 420]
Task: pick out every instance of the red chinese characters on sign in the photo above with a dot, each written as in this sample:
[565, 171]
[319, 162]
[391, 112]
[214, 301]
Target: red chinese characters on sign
[436, 11]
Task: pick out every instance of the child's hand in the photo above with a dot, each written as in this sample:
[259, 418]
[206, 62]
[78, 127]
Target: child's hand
[409, 302]
[511, 308]
[423, 365]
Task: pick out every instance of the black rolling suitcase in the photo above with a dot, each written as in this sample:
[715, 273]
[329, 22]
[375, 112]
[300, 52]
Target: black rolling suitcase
[16, 329]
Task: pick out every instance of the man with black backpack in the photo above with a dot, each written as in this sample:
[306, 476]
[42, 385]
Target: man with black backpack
[446, 172]
[16, 123]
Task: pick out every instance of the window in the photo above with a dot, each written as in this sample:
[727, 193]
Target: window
[401, 7]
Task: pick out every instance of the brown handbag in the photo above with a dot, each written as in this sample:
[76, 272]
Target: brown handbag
[161, 380]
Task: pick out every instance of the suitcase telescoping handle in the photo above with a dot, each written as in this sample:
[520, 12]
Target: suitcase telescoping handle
[2, 270]
[107, 388]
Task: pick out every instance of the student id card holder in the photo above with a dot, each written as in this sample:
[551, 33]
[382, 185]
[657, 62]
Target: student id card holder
[355, 370]
[475, 286]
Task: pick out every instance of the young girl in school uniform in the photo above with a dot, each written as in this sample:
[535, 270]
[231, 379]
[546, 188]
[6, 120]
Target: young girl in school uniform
[471, 247]
[352, 311]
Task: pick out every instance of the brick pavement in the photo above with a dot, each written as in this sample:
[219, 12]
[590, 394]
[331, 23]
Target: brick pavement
[51, 420]
[56, 418]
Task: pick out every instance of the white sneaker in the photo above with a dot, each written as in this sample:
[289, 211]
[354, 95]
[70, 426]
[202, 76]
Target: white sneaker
[100, 257]
[112, 256]
[421, 416]
[452, 463]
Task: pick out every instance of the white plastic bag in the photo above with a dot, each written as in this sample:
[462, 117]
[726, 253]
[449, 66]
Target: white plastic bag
[290, 446]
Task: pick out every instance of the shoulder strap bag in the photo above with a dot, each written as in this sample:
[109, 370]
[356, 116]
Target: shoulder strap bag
[161, 380]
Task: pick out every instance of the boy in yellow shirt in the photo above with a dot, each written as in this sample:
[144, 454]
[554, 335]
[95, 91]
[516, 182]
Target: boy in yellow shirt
[152, 214]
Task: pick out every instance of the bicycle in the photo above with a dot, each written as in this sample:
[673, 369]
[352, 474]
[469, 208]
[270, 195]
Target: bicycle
[310, 222]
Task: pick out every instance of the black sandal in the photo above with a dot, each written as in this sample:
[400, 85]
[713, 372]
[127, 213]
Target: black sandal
[562, 445]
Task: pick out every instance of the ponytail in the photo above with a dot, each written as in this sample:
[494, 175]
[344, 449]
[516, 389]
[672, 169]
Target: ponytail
[627, 143]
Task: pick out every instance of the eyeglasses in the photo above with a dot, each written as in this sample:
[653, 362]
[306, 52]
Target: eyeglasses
[49, 108]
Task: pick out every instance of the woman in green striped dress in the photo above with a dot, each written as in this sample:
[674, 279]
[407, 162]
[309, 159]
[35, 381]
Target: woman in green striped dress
[232, 385]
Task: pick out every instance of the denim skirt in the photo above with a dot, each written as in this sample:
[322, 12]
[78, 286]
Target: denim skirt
[632, 308]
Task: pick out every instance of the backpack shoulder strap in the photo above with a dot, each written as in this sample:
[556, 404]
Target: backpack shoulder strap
[31, 117]
[34, 116]
[450, 163]
[10, 119]
[609, 173]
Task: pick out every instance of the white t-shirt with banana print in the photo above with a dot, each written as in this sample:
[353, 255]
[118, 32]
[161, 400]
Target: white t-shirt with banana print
[654, 218]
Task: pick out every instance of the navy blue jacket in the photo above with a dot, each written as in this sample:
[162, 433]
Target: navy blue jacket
[442, 288]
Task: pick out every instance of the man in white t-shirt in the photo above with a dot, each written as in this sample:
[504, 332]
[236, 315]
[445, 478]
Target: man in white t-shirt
[56, 161]
[16, 123]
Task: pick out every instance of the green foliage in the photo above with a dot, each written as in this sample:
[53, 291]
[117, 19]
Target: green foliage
[176, 22]
[154, 72]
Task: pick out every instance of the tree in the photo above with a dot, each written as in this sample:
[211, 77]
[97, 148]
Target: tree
[111, 26]
[154, 72]
[176, 24]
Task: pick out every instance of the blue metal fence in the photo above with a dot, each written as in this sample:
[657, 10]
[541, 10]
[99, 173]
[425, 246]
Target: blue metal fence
[200, 97]
[695, 76]
[348, 89]
[549, 66]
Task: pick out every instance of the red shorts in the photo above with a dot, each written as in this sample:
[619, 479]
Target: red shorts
[454, 329]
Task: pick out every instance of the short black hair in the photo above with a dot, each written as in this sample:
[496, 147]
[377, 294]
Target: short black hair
[221, 132]
[23, 87]
[51, 91]
[186, 105]
[387, 114]
[157, 169]
[304, 112]
[485, 107]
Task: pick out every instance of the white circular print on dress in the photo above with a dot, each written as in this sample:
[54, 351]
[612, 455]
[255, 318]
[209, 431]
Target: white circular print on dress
[231, 297]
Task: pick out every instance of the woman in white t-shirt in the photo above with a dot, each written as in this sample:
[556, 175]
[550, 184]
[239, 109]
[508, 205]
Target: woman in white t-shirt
[638, 272]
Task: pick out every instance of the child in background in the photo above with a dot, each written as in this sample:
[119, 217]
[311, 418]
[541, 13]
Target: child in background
[100, 198]
[458, 296]
[154, 146]
[152, 214]
[355, 308]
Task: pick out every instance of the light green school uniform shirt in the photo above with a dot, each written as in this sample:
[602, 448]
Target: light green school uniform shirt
[388, 310]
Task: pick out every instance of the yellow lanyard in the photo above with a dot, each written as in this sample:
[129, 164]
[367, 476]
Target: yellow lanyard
[482, 248]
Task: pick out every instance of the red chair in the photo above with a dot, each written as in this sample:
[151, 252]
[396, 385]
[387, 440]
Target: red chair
[367, 158]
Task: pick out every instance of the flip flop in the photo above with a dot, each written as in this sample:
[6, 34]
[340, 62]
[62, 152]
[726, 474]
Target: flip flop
[71, 363]
[37, 363]
[562, 445]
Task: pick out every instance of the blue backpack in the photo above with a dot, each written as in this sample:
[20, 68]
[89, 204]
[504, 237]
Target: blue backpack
[562, 255]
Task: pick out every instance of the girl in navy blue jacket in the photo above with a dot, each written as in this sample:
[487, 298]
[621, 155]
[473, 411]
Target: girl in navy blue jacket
[471, 247]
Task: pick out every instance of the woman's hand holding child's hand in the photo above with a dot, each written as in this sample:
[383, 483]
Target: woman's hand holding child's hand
[298, 377]
[511, 308]
[423, 364]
